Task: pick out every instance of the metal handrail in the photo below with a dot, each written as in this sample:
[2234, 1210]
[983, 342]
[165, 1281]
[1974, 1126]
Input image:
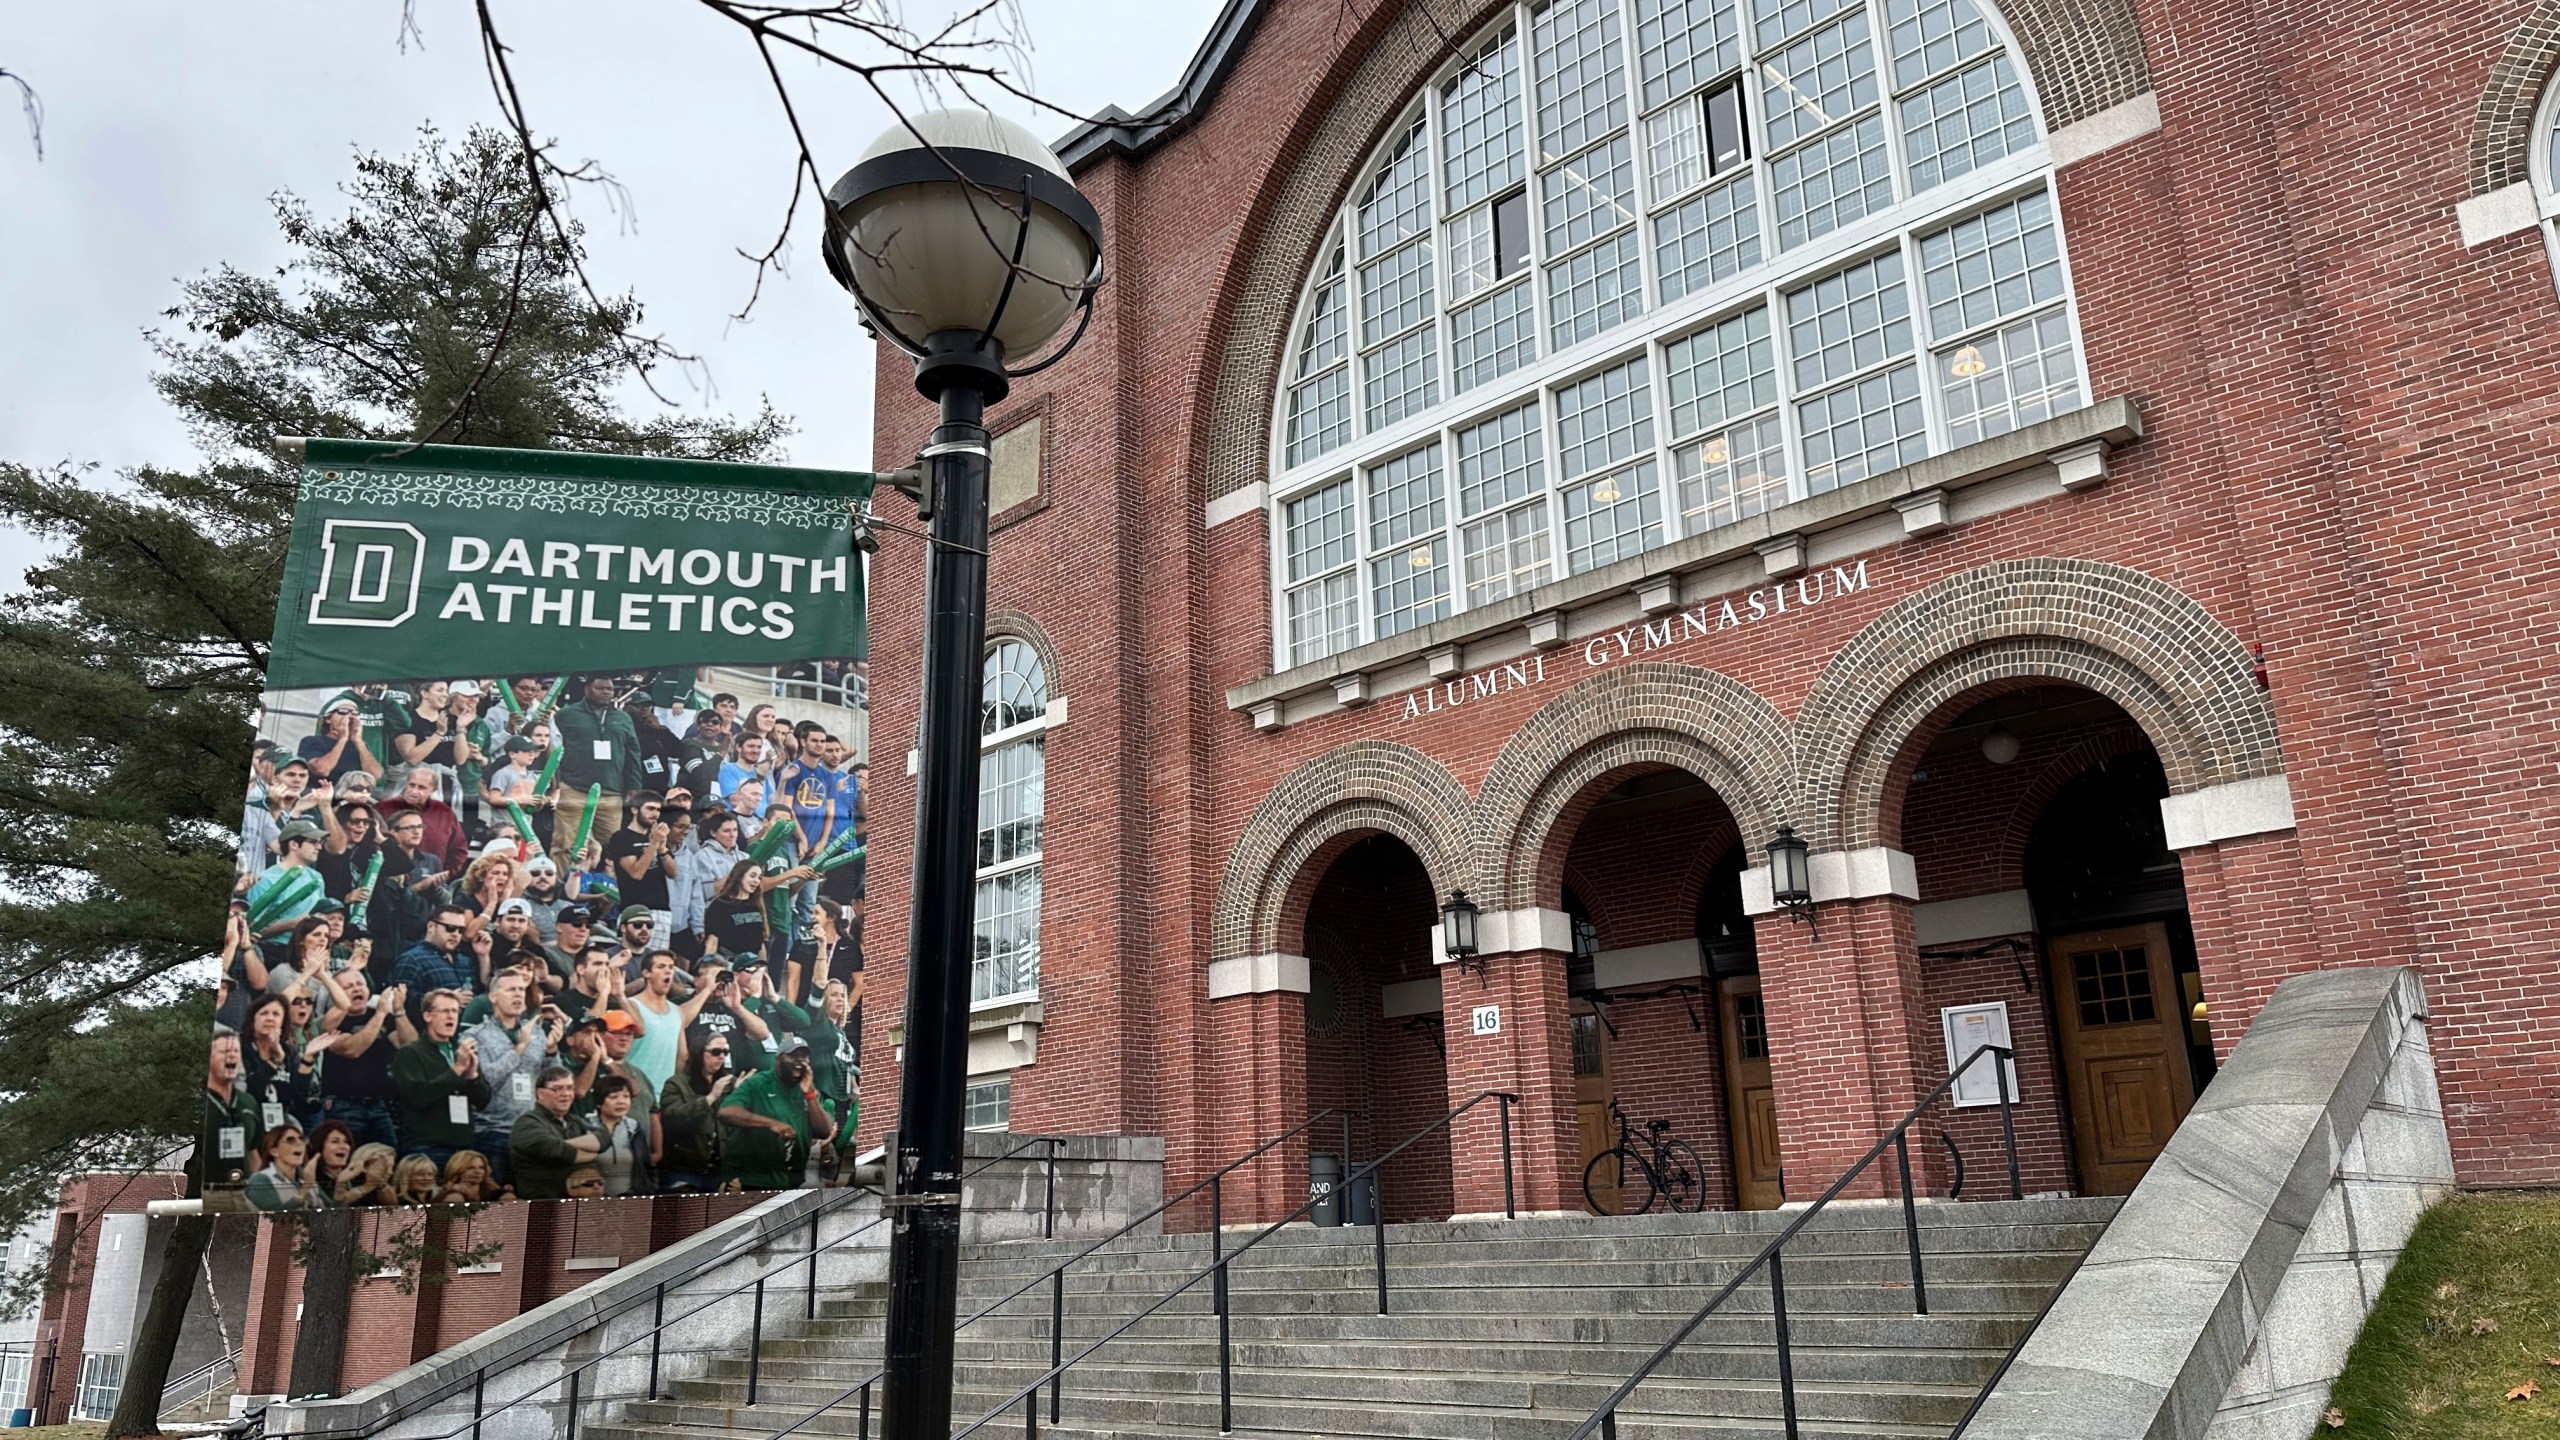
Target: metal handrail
[1605, 1419]
[203, 1373]
[1028, 1395]
[1056, 1275]
[659, 1320]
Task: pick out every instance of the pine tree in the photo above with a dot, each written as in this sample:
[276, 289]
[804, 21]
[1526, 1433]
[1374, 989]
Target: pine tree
[435, 307]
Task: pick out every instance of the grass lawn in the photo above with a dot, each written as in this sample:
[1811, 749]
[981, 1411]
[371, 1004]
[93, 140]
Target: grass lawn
[2471, 1315]
[78, 1430]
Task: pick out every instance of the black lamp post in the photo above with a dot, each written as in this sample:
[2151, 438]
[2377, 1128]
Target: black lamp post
[965, 243]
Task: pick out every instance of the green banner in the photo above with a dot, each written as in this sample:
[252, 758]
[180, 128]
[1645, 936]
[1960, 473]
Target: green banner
[411, 561]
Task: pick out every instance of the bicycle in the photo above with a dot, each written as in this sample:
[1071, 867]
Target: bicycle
[1671, 1170]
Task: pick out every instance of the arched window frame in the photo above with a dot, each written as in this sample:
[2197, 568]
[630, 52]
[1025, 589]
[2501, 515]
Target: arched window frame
[1017, 708]
[2543, 165]
[1347, 569]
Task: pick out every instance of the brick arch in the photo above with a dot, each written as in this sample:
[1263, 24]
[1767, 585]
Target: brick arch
[1006, 623]
[2502, 123]
[2185, 679]
[2057, 772]
[1635, 717]
[2082, 56]
[1316, 812]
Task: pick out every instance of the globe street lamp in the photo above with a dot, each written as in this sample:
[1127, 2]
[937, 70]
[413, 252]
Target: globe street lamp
[967, 246]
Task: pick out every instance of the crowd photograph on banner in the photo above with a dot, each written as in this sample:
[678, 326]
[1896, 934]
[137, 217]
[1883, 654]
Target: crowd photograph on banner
[543, 936]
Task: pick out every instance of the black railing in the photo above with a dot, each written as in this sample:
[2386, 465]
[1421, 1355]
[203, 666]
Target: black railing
[1771, 1258]
[571, 1381]
[2000, 1371]
[1216, 1272]
[860, 1390]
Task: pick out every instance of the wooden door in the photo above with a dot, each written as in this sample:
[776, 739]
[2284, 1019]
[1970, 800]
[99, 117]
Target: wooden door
[2124, 1058]
[1592, 1091]
[1751, 1099]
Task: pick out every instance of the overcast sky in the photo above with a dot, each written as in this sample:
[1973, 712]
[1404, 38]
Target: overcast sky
[169, 124]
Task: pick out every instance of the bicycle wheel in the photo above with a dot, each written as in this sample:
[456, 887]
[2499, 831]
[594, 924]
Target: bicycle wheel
[1684, 1177]
[1605, 1181]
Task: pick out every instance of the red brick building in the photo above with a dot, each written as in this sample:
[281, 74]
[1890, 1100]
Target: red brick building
[2083, 465]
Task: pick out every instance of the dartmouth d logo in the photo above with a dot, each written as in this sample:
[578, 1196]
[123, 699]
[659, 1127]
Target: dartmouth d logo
[369, 573]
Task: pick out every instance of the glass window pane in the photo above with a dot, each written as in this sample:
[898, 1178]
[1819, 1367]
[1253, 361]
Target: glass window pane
[1604, 419]
[1397, 205]
[1581, 79]
[1010, 783]
[1832, 181]
[1611, 517]
[1933, 35]
[1324, 618]
[1407, 496]
[1395, 293]
[1480, 111]
[1506, 553]
[1400, 379]
[1721, 373]
[1992, 265]
[1007, 962]
[1013, 687]
[1965, 122]
[1863, 429]
[1848, 320]
[1511, 232]
[1588, 195]
[1818, 81]
[1731, 474]
[1410, 587]
[1319, 415]
[1492, 337]
[990, 1103]
[1682, 44]
[1707, 238]
[1498, 461]
[1779, 19]
[1594, 290]
[1471, 262]
[1324, 339]
[1728, 141]
[1319, 527]
[2016, 375]
[1675, 150]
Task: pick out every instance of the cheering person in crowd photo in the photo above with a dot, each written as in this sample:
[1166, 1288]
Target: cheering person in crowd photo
[339, 749]
[550, 1139]
[278, 1184]
[688, 1114]
[287, 890]
[416, 1180]
[230, 1122]
[598, 748]
[363, 1031]
[770, 1121]
[700, 870]
[623, 1158]
[439, 1082]
[331, 1166]
[367, 1180]
[276, 1073]
[514, 1045]
[435, 737]
[441, 837]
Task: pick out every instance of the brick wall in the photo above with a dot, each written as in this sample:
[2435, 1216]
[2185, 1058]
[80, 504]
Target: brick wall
[2349, 417]
[62, 1322]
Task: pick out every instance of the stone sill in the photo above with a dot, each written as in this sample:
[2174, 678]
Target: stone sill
[994, 1019]
[2075, 444]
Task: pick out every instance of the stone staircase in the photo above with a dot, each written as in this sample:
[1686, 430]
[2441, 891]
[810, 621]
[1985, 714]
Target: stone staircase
[1498, 1331]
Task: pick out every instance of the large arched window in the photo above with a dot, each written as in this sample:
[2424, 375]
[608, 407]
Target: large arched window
[1013, 717]
[1633, 269]
[2544, 165]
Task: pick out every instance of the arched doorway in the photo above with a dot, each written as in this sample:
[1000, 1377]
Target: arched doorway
[1374, 1047]
[1664, 982]
[2053, 917]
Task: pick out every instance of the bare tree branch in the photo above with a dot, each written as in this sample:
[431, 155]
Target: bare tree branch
[32, 105]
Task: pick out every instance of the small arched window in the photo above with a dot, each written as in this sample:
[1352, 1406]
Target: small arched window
[1013, 717]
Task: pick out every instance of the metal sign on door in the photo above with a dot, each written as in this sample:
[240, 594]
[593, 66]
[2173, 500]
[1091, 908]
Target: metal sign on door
[1488, 1020]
